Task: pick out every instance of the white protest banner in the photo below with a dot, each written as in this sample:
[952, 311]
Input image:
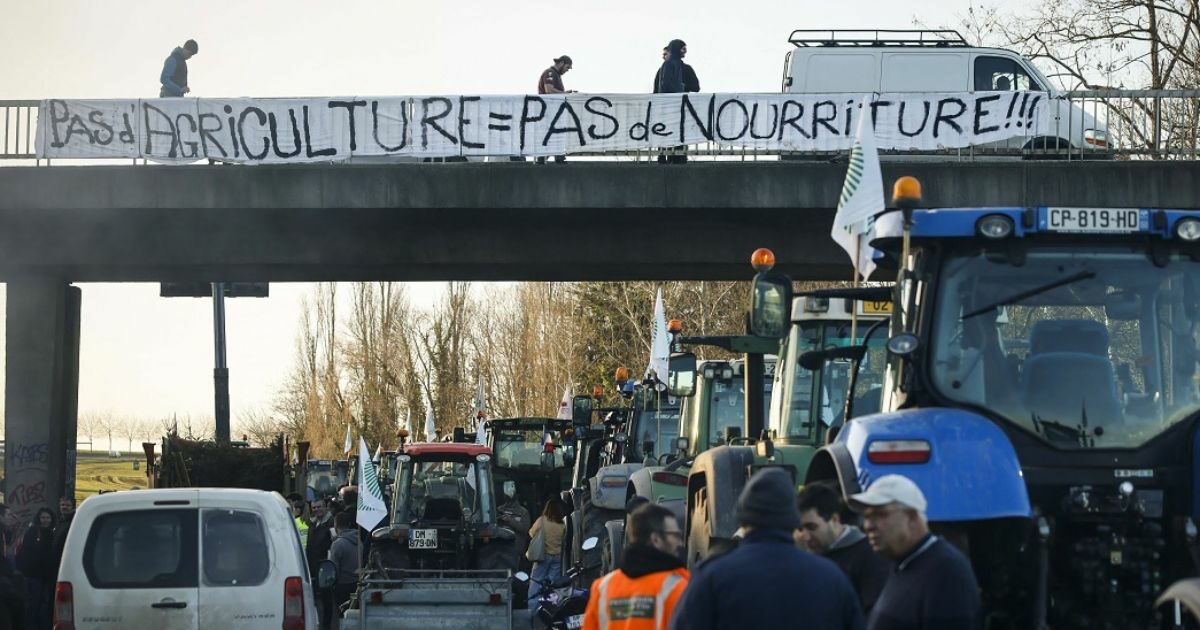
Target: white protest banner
[280, 131]
[88, 129]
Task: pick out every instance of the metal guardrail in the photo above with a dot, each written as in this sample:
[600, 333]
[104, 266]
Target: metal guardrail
[1141, 125]
[20, 125]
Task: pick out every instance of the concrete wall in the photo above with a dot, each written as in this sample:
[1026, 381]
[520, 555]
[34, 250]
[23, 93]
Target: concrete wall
[493, 221]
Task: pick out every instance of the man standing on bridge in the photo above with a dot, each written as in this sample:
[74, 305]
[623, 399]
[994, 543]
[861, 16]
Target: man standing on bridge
[551, 83]
[174, 77]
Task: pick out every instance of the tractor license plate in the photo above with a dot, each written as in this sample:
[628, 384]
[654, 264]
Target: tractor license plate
[1093, 220]
[422, 539]
[875, 308]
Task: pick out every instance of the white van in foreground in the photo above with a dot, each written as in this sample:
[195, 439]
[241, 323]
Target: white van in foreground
[908, 61]
[184, 559]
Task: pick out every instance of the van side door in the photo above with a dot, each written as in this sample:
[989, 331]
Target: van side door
[141, 569]
[247, 552]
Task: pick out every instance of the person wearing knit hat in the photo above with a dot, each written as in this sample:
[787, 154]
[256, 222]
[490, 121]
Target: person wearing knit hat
[766, 581]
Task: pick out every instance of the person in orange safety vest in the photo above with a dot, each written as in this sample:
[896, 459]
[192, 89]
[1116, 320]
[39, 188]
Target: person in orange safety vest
[642, 592]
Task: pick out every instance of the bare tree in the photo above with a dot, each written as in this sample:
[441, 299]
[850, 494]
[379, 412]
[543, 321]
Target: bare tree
[130, 429]
[1112, 44]
[261, 427]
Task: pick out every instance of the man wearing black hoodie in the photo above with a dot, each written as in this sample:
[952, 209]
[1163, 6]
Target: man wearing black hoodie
[826, 530]
[767, 582]
[643, 591]
[675, 76]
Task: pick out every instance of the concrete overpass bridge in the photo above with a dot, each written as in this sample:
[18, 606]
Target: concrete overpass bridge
[492, 221]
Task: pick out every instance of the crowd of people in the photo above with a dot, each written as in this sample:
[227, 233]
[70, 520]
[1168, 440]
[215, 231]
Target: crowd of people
[31, 552]
[798, 558]
[329, 531]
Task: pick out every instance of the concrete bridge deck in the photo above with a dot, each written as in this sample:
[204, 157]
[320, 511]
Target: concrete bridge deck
[492, 221]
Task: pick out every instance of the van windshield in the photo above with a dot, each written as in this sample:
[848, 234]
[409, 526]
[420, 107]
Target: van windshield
[143, 549]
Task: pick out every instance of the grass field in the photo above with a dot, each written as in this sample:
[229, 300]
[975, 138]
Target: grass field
[97, 471]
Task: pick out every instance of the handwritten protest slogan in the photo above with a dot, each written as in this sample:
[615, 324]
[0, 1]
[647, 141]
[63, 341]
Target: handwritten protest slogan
[336, 129]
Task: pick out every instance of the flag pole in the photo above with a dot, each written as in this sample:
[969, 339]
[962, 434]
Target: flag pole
[854, 284]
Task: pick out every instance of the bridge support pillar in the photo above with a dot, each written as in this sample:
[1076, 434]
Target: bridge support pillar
[41, 393]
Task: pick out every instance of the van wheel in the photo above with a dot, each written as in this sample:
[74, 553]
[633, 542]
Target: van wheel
[1047, 148]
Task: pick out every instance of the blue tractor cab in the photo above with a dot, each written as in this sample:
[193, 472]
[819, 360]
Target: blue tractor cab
[1042, 389]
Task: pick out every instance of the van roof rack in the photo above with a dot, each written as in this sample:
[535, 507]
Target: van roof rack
[877, 38]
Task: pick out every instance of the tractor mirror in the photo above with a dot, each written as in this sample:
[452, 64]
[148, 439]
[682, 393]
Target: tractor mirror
[682, 444]
[326, 574]
[681, 374]
[770, 305]
[581, 410]
[590, 543]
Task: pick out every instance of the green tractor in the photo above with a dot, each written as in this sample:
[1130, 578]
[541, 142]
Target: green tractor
[623, 441]
[807, 407]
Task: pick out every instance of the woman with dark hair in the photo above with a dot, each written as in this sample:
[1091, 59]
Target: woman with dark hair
[549, 567]
[35, 560]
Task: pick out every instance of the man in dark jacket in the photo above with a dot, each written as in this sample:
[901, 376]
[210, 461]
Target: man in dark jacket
[66, 513]
[320, 539]
[675, 76]
[823, 531]
[933, 585]
[690, 82]
[344, 553]
[766, 582]
[174, 77]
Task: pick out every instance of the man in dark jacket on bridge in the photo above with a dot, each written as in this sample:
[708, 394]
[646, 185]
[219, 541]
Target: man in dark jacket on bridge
[174, 77]
[767, 582]
[675, 76]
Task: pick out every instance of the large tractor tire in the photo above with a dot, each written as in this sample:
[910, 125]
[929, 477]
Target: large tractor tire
[612, 544]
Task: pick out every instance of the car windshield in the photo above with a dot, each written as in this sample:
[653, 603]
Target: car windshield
[1107, 360]
[441, 491]
[793, 413]
[524, 447]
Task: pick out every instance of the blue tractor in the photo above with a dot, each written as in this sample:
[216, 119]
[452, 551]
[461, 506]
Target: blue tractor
[1042, 388]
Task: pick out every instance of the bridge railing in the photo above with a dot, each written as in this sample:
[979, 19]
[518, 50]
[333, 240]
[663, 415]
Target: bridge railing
[20, 128]
[1141, 125]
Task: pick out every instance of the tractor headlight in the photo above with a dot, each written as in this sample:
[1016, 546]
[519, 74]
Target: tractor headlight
[995, 226]
[1188, 229]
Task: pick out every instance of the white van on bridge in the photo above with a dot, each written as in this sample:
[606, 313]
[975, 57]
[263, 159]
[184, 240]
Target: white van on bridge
[908, 61]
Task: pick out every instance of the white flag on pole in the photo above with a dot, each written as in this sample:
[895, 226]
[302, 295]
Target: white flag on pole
[660, 345]
[430, 427]
[371, 509]
[862, 197]
[564, 406]
[348, 447]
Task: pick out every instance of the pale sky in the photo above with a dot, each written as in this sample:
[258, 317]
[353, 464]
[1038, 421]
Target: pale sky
[149, 356]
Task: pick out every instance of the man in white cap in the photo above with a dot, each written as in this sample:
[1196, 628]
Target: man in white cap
[933, 585]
